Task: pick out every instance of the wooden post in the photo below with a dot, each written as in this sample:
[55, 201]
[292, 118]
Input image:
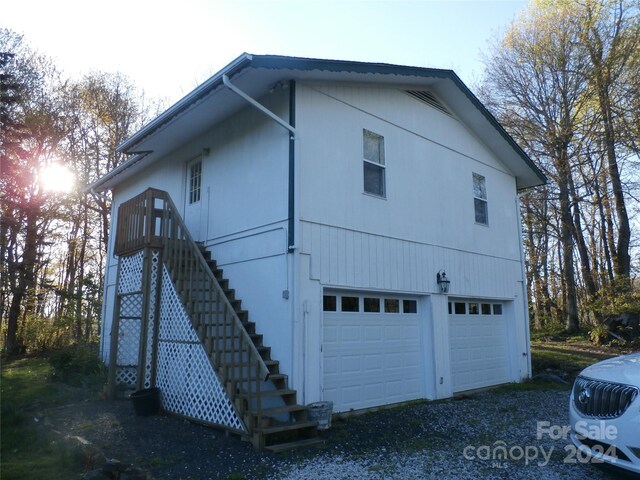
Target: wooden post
[156, 323]
[144, 320]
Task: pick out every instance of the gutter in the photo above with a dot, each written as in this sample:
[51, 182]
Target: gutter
[116, 171]
[96, 194]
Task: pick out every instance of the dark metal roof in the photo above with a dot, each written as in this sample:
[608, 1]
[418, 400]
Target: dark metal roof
[260, 72]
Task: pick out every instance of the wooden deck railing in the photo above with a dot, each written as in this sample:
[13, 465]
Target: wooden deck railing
[152, 220]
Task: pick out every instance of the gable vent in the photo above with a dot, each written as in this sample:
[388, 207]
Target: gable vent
[428, 98]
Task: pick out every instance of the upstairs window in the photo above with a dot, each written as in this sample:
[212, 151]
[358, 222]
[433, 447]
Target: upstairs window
[374, 167]
[195, 181]
[480, 199]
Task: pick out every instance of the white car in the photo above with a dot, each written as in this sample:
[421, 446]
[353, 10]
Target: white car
[604, 412]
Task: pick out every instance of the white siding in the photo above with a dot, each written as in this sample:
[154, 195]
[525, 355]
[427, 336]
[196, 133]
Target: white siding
[426, 223]
[430, 158]
[244, 205]
[343, 257]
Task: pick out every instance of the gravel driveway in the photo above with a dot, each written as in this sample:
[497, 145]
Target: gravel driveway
[457, 438]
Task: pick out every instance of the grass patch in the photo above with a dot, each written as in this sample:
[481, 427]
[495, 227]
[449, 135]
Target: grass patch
[569, 356]
[556, 352]
[28, 448]
[533, 385]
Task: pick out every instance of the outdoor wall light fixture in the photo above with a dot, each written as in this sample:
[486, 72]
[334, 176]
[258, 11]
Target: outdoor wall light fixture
[443, 281]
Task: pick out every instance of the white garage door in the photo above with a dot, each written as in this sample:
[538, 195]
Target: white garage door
[479, 345]
[372, 350]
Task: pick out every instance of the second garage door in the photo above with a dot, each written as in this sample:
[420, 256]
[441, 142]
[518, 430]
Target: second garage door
[479, 344]
[372, 350]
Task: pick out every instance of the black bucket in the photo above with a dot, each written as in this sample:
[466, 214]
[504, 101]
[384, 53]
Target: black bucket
[146, 402]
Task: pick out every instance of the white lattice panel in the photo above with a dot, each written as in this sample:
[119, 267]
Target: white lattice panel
[188, 383]
[131, 306]
[128, 342]
[174, 321]
[190, 387]
[130, 279]
[126, 376]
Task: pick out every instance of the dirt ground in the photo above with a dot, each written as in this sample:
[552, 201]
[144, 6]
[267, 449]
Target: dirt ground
[163, 446]
[166, 446]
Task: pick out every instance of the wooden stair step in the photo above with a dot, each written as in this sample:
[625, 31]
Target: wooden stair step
[287, 427]
[269, 393]
[305, 443]
[267, 412]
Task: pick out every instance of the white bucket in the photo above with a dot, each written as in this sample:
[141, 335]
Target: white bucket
[320, 412]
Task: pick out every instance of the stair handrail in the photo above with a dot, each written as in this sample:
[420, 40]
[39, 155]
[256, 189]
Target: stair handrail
[141, 223]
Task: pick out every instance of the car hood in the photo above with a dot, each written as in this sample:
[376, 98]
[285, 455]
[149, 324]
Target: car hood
[624, 369]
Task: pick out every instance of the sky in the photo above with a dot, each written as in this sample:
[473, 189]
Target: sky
[167, 48]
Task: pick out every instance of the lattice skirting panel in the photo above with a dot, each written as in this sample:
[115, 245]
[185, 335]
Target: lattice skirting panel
[129, 332]
[129, 285]
[188, 383]
[130, 278]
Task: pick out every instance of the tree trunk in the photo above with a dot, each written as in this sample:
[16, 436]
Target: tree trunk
[80, 282]
[572, 324]
[583, 251]
[25, 281]
[622, 260]
[604, 236]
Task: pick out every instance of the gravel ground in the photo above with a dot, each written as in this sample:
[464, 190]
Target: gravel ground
[457, 438]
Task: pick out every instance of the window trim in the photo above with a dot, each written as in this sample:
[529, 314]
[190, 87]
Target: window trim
[194, 181]
[381, 165]
[363, 296]
[484, 199]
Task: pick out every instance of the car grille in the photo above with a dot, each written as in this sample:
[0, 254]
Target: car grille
[595, 398]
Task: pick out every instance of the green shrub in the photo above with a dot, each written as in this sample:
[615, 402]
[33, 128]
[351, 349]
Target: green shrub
[77, 365]
[599, 334]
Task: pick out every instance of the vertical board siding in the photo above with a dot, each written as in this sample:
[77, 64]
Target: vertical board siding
[343, 257]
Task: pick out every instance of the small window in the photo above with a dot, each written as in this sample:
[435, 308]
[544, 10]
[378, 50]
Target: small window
[486, 309]
[480, 199]
[460, 308]
[371, 304]
[497, 309]
[195, 181]
[329, 303]
[410, 306]
[474, 309]
[391, 305]
[373, 164]
[450, 309]
[350, 304]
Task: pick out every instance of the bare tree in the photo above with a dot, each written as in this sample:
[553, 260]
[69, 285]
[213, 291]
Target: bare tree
[610, 36]
[537, 84]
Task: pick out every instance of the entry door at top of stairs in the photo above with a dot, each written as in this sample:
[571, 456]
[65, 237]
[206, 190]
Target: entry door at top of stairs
[195, 196]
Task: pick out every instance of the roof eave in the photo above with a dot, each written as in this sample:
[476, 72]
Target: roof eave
[182, 105]
[500, 129]
[305, 64]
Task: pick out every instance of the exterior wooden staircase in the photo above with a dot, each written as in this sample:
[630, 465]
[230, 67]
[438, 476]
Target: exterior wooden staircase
[251, 378]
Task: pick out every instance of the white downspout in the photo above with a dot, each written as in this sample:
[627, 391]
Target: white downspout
[258, 105]
[525, 297]
[294, 292]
